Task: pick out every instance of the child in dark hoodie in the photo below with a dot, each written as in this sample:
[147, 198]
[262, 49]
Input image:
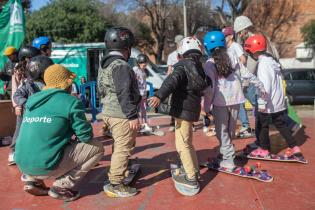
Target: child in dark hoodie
[33, 83]
[186, 84]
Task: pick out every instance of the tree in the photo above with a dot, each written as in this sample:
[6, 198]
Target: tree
[198, 15]
[132, 21]
[308, 32]
[68, 22]
[237, 8]
[274, 18]
[158, 13]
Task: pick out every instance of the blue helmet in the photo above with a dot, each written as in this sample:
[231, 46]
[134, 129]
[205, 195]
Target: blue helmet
[41, 41]
[212, 40]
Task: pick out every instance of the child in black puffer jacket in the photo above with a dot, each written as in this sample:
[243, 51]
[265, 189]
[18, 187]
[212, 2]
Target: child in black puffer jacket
[186, 84]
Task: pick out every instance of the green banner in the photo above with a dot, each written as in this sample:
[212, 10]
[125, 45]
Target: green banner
[12, 28]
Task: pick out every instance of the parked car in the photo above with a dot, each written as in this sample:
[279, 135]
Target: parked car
[163, 69]
[300, 85]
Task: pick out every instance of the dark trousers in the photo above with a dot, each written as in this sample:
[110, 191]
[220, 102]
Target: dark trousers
[278, 119]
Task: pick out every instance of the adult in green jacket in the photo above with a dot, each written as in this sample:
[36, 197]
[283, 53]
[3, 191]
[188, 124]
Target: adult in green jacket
[55, 139]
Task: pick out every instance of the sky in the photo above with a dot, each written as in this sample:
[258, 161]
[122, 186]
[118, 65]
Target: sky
[37, 4]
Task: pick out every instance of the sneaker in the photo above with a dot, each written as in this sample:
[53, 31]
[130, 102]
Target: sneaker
[121, 191]
[37, 188]
[11, 160]
[243, 129]
[146, 128]
[184, 180]
[211, 132]
[227, 164]
[245, 132]
[205, 129]
[260, 152]
[63, 193]
[295, 151]
[296, 129]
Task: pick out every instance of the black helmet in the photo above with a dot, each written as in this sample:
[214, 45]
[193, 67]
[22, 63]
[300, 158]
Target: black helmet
[28, 52]
[119, 38]
[37, 66]
[142, 58]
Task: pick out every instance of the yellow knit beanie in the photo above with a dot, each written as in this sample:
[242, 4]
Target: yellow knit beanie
[58, 76]
[9, 51]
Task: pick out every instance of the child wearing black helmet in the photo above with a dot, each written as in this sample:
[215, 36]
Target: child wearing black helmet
[33, 83]
[140, 72]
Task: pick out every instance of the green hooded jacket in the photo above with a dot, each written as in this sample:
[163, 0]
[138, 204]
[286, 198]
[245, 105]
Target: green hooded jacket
[52, 117]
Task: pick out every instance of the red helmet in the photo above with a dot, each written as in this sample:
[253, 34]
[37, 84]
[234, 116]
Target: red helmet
[228, 31]
[255, 43]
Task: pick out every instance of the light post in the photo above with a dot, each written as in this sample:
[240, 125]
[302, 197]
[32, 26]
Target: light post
[185, 18]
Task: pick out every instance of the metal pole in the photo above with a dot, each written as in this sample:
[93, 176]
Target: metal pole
[185, 18]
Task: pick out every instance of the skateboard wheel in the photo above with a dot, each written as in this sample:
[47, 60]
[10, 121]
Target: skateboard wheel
[247, 169]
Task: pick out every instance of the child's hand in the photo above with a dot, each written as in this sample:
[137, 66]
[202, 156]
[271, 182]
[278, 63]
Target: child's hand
[18, 111]
[154, 101]
[263, 94]
[134, 124]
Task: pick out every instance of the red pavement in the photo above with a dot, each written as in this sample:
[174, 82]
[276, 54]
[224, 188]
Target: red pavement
[293, 186]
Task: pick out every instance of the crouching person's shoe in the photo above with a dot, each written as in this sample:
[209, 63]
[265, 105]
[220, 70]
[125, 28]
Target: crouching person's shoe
[119, 191]
[63, 193]
[37, 188]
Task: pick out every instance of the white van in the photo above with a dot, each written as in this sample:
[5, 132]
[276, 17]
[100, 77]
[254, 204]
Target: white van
[84, 60]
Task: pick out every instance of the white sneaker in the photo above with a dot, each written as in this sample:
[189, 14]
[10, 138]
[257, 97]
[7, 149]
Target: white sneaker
[27, 178]
[205, 129]
[146, 128]
[227, 164]
[243, 129]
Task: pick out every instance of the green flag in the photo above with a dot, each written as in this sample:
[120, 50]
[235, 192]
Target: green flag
[12, 28]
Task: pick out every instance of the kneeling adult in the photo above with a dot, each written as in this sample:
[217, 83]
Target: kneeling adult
[46, 149]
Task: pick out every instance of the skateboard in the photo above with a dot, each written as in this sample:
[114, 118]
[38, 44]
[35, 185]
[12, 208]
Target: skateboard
[130, 175]
[280, 158]
[182, 189]
[155, 131]
[246, 153]
[251, 172]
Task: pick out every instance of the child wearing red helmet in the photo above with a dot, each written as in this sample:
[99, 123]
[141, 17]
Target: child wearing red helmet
[273, 105]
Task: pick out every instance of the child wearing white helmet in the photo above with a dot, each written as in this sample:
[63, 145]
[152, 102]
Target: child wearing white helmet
[186, 84]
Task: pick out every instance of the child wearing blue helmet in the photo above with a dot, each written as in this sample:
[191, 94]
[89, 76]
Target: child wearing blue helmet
[43, 43]
[225, 96]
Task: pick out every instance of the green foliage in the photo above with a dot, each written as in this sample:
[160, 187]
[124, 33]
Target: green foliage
[68, 21]
[308, 32]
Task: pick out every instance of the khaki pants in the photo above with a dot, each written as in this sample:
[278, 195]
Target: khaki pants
[185, 148]
[77, 160]
[124, 143]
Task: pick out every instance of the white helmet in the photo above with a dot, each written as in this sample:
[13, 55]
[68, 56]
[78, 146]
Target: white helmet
[189, 44]
[241, 23]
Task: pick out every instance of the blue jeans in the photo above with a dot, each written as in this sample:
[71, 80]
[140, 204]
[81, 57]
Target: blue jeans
[250, 95]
